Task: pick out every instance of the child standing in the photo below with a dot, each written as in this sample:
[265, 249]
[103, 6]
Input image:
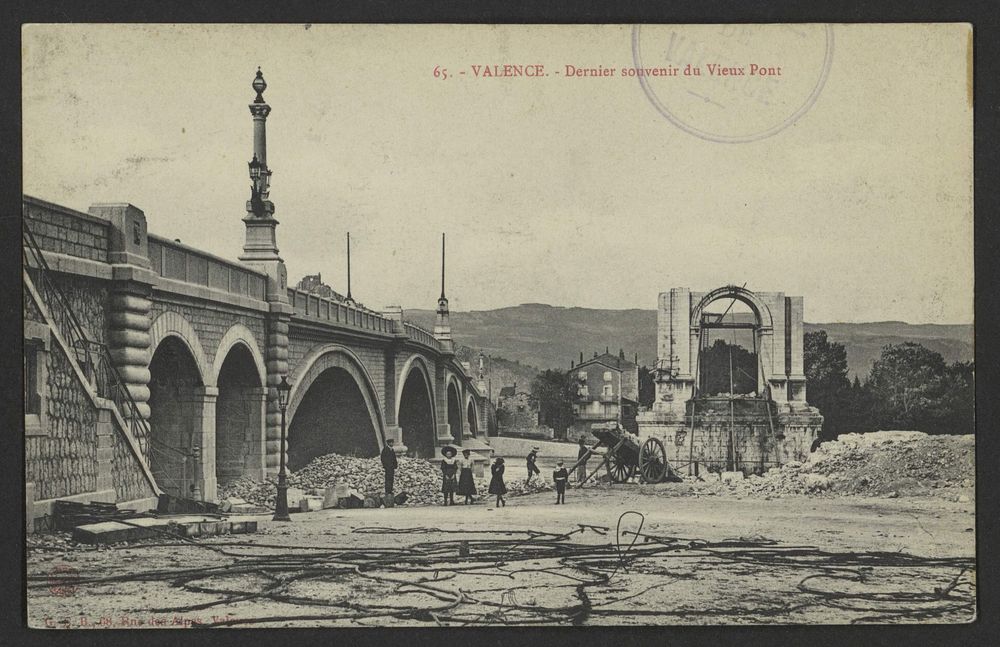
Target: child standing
[449, 468]
[531, 459]
[560, 476]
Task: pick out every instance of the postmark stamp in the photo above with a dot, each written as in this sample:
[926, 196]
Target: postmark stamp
[60, 581]
[732, 83]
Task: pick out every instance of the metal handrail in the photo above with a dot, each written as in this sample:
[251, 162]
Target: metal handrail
[172, 455]
[97, 361]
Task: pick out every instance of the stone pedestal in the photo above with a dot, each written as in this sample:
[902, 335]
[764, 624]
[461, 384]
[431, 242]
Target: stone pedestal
[444, 436]
[395, 432]
[755, 444]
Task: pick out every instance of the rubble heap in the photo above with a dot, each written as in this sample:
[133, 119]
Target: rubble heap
[884, 463]
[419, 478]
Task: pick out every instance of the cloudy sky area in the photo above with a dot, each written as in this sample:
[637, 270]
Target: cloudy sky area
[573, 192]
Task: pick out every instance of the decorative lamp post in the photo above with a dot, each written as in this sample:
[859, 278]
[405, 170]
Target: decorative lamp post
[281, 505]
[256, 204]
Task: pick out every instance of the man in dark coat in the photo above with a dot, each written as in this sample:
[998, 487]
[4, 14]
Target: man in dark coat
[532, 468]
[389, 464]
[582, 457]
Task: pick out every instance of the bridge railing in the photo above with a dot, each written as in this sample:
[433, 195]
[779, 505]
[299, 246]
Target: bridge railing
[419, 335]
[338, 312]
[173, 260]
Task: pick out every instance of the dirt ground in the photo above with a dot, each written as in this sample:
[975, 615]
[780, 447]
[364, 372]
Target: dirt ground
[696, 560]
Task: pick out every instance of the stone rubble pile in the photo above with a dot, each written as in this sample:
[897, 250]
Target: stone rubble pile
[419, 478]
[884, 463]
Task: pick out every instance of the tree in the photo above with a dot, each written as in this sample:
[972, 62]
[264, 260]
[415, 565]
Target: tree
[715, 369]
[827, 386]
[959, 400]
[856, 410]
[552, 393]
[913, 388]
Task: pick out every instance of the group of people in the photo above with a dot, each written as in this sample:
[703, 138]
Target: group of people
[457, 478]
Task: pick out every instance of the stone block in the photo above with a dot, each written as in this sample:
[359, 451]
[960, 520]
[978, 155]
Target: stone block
[310, 503]
[333, 494]
[731, 477]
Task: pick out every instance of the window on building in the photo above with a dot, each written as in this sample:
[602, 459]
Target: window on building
[584, 391]
[582, 375]
[608, 390]
[607, 376]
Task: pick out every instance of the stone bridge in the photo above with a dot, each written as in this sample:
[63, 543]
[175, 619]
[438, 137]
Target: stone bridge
[200, 343]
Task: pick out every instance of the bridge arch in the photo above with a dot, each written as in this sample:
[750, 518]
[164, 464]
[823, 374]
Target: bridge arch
[415, 407]
[759, 308]
[333, 407]
[173, 324]
[177, 399]
[238, 374]
[238, 334]
[472, 415]
[456, 416]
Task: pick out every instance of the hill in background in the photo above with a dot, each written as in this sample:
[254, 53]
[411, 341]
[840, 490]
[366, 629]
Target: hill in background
[544, 336]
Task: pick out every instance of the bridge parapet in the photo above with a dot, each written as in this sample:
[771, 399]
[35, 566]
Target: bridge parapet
[337, 312]
[173, 260]
[66, 231]
[421, 336]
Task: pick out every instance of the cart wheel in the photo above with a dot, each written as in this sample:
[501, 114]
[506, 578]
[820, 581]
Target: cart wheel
[621, 471]
[653, 461]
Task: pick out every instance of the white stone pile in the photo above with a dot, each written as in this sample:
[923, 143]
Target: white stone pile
[419, 478]
[884, 463]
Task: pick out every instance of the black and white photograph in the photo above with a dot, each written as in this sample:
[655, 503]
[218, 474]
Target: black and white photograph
[455, 325]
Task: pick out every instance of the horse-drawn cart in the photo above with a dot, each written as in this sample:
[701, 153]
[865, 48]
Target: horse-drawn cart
[623, 456]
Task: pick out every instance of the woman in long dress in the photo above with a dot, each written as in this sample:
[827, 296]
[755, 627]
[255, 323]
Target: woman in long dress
[497, 486]
[449, 468]
[466, 485]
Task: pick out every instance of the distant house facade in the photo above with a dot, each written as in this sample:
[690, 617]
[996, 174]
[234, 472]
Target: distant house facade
[517, 415]
[607, 394]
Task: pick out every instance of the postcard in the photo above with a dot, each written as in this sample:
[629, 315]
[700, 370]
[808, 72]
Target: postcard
[332, 325]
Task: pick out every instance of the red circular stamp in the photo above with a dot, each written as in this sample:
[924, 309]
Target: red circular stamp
[60, 580]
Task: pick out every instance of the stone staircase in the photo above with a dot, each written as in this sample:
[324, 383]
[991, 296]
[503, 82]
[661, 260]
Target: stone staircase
[91, 361]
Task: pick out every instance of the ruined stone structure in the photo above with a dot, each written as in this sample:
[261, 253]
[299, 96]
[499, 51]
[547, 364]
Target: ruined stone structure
[153, 365]
[750, 433]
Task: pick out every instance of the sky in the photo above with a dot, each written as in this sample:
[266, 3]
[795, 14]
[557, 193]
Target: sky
[572, 191]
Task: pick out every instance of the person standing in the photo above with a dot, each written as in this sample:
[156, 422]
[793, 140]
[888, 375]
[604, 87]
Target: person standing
[449, 468]
[497, 486]
[560, 477]
[466, 485]
[582, 456]
[389, 464]
[531, 459]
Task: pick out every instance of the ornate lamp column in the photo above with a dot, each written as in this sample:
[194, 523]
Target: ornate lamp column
[260, 252]
[260, 247]
[281, 502]
[442, 328]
